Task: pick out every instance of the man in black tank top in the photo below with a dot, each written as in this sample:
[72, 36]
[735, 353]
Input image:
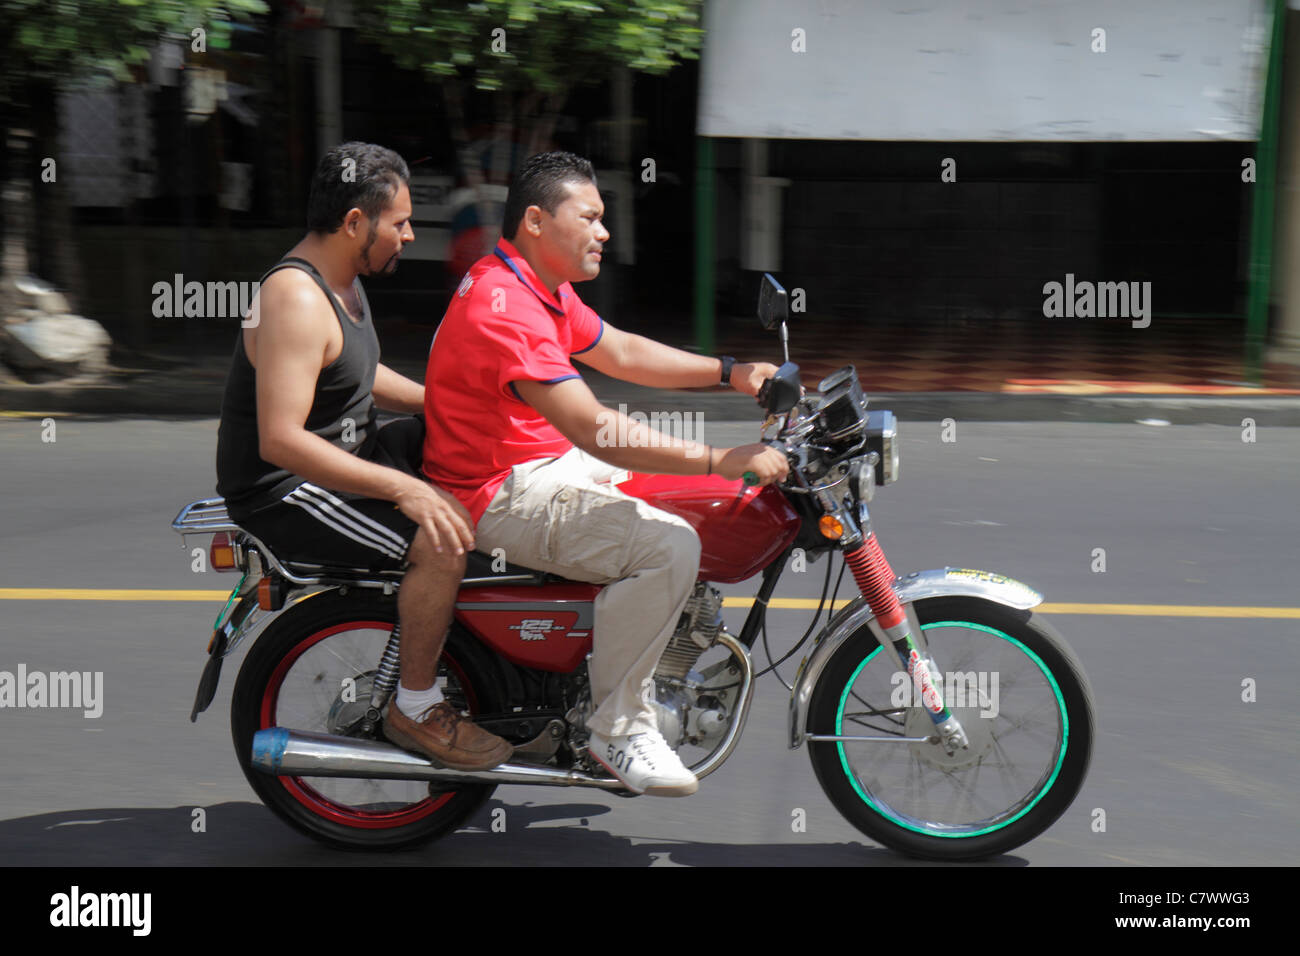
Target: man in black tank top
[301, 460]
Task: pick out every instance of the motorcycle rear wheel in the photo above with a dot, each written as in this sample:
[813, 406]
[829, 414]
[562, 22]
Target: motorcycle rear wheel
[295, 676]
[1031, 729]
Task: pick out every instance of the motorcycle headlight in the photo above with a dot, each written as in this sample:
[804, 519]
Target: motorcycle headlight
[882, 437]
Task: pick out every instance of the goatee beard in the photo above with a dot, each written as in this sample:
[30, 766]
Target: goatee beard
[387, 269]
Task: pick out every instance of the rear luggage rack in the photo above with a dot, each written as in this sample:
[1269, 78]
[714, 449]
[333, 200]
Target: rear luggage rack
[207, 515]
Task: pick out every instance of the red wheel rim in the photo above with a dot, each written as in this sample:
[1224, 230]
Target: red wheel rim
[311, 798]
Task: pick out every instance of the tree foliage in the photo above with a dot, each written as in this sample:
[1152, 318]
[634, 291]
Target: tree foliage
[542, 46]
[49, 42]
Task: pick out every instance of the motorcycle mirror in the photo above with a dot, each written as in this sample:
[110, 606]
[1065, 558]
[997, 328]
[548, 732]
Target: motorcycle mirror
[780, 393]
[773, 304]
[774, 308]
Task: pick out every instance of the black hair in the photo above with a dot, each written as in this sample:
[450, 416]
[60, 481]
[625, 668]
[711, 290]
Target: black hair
[360, 175]
[540, 182]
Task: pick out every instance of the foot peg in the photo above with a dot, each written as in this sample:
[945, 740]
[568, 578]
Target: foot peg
[542, 747]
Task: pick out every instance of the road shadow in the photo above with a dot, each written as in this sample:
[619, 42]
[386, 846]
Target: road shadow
[248, 834]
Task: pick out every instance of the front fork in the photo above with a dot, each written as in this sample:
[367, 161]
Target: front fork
[875, 580]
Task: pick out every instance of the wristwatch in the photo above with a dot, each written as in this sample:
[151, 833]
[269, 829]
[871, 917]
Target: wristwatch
[727, 362]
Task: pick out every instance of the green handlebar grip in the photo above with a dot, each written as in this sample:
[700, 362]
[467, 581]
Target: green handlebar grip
[751, 479]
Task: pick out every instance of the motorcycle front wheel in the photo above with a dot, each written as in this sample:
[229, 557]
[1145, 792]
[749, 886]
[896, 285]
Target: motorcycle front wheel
[311, 670]
[1020, 694]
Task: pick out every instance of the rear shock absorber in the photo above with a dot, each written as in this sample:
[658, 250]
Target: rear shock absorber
[385, 681]
[875, 580]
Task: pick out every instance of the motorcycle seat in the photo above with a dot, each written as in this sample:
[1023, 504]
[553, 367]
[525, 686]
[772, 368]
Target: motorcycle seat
[479, 565]
[209, 515]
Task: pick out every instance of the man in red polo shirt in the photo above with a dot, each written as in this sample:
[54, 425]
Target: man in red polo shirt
[515, 434]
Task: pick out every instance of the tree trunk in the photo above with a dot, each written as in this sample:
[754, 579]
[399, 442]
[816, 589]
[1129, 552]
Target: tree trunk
[511, 115]
[542, 129]
[57, 253]
[453, 95]
[17, 215]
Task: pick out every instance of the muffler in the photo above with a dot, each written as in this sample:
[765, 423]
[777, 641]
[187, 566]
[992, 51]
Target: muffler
[294, 753]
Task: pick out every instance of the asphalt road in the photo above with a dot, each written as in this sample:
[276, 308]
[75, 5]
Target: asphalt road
[1186, 772]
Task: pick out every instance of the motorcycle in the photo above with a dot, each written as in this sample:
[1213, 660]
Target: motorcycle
[943, 717]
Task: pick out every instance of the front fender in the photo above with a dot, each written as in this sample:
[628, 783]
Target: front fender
[937, 582]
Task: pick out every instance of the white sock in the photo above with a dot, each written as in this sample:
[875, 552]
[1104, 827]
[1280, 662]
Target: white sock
[415, 702]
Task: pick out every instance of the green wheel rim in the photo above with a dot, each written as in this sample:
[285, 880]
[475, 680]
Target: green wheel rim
[892, 815]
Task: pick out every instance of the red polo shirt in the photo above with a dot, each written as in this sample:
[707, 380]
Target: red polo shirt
[502, 326]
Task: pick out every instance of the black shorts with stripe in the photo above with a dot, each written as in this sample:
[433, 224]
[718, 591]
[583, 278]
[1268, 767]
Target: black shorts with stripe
[315, 525]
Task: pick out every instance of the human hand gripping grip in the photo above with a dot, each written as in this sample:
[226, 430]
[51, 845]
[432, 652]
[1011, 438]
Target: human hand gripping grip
[777, 395]
[750, 478]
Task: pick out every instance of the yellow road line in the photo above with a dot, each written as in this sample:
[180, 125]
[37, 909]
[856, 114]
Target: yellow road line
[1171, 610]
[109, 594]
[784, 604]
[1142, 610]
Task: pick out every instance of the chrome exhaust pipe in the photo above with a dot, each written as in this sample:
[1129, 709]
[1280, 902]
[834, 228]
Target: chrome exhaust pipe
[294, 753]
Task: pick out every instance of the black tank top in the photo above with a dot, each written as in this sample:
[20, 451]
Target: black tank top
[343, 393]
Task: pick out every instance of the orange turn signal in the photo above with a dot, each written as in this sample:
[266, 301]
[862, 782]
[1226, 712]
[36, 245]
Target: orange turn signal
[271, 593]
[830, 527]
[221, 553]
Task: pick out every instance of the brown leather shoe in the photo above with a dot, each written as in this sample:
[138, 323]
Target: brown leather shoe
[446, 736]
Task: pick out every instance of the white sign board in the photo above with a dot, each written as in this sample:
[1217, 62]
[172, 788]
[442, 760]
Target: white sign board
[988, 70]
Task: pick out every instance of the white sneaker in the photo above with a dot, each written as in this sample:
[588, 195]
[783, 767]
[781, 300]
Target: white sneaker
[645, 763]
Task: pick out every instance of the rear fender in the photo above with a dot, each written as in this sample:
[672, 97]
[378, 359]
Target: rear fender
[247, 618]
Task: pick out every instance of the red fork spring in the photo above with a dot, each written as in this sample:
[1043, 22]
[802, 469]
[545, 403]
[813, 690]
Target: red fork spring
[874, 577]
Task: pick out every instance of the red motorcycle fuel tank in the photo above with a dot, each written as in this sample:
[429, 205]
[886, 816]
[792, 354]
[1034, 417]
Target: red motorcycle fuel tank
[741, 529]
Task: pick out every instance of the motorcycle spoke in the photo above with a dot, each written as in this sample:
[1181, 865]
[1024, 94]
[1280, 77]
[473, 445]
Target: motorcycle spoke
[875, 711]
[915, 777]
[305, 703]
[962, 803]
[348, 665]
[874, 758]
[1033, 733]
[895, 731]
[374, 796]
[1017, 782]
[983, 807]
[296, 718]
[1000, 748]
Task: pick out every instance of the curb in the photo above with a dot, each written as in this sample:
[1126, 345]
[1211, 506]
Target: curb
[1271, 410]
[176, 397]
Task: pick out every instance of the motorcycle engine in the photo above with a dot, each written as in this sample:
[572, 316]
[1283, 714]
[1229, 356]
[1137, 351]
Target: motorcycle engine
[688, 707]
[691, 706]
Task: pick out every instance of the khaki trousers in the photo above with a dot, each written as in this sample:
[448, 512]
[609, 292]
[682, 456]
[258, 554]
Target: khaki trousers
[562, 515]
